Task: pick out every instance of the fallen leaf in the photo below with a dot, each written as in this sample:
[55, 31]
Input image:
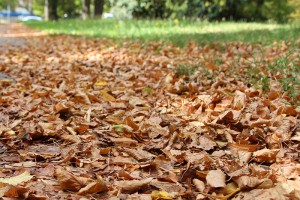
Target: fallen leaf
[167, 186]
[15, 180]
[14, 192]
[161, 195]
[107, 97]
[206, 143]
[265, 155]
[101, 83]
[69, 181]
[94, 187]
[133, 185]
[239, 101]
[216, 178]
[280, 191]
[199, 185]
[125, 142]
[246, 182]
[139, 154]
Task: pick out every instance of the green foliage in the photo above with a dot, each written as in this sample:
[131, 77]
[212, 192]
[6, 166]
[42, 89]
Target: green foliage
[71, 8]
[287, 73]
[123, 9]
[118, 127]
[213, 10]
[152, 9]
[283, 70]
[257, 78]
[38, 7]
[176, 8]
[237, 10]
[5, 3]
[277, 11]
[295, 4]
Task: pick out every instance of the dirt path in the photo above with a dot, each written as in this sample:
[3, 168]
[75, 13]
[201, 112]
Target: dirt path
[16, 34]
[8, 35]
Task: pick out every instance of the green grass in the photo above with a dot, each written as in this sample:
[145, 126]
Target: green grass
[177, 32]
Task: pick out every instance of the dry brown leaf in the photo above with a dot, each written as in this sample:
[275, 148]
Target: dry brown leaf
[124, 142]
[137, 196]
[169, 187]
[230, 116]
[246, 182]
[47, 171]
[94, 187]
[119, 160]
[139, 154]
[62, 106]
[290, 171]
[15, 180]
[199, 185]
[281, 191]
[48, 128]
[14, 192]
[125, 112]
[216, 178]
[206, 143]
[168, 176]
[265, 155]
[239, 101]
[69, 181]
[133, 185]
[106, 96]
[245, 147]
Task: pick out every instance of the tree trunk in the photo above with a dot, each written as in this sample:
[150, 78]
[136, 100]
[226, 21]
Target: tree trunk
[50, 10]
[258, 13]
[30, 6]
[85, 9]
[46, 10]
[98, 10]
[53, 9]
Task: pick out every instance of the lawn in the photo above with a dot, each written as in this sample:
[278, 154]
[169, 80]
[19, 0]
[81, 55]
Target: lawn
[175, 31]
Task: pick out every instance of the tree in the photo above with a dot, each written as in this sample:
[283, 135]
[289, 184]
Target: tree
[295, 4]
[153, 9]
[50, 10]
[70, 9]
[85, 9]
[46, 10]
[98, 8]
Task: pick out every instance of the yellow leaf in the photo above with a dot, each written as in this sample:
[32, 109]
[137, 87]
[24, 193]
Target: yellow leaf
[231, 188]
[15, 180]
[107, 97]
[161, 195]
[100, 83]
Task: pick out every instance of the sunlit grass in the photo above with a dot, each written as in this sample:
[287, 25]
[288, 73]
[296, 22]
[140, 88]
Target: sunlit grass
[175, 31]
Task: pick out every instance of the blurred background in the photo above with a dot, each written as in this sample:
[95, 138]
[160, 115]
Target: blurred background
[279, 11]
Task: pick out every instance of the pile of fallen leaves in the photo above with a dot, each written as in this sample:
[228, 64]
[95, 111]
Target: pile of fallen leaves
[88, 119]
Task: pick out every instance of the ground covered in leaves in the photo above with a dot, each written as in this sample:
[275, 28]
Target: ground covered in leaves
[88, 119]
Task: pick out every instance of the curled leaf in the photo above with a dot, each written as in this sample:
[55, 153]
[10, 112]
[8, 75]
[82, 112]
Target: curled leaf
[94, 187]
[15, 180]
[133, 185]
[69, 181]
